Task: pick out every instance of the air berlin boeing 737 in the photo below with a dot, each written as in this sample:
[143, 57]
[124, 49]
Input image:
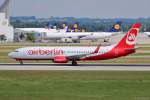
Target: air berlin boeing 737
[65, 54]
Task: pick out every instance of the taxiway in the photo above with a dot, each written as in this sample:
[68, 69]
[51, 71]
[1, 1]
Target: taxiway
[80, 67]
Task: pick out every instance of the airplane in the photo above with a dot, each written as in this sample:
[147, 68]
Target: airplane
[115, 30]
[75, 37]
[94, 36]
[65, 54]
[42, 30]
[147, 33]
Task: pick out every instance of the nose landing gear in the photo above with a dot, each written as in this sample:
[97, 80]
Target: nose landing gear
[21, 62]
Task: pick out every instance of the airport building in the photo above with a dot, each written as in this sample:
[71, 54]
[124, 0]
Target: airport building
[6, 30]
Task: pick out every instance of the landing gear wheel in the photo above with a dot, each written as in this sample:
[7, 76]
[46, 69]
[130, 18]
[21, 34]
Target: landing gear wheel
[21, 62]
[76, 41]
[106, 40]
[74, 63]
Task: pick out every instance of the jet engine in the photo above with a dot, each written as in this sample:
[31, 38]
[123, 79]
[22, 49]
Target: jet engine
[60, 59]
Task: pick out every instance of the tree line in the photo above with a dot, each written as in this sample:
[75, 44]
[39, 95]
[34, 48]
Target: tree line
[89, 26]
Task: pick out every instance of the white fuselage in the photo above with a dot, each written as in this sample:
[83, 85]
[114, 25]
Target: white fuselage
[41, 30]
[147, 33]
[51, 52]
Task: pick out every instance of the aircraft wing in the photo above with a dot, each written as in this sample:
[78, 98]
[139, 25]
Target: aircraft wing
[98, 35]
[78, 34]
[78, 57]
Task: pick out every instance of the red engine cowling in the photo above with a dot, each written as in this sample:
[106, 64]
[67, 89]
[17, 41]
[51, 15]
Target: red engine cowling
[60, 59]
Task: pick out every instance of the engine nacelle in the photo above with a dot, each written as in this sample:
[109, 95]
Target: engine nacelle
[66, 40]
[60, 59]
[74, 38]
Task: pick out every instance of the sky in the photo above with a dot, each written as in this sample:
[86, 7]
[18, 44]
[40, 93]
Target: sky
[81, 8]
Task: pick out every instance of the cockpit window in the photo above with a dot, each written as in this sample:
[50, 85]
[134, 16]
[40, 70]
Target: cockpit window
[16, 51]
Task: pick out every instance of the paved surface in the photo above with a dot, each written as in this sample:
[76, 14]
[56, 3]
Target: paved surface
[81, 67]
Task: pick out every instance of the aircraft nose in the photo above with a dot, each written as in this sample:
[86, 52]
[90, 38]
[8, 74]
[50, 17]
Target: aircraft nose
[10, 55]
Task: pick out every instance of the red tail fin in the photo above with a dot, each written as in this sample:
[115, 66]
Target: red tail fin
[129, 40]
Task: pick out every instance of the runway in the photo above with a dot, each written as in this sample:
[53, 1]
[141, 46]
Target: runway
[80, 67]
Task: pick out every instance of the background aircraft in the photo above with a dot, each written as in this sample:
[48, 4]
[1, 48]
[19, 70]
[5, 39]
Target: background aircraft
[64, 36]
[147, 33]
[65, 54]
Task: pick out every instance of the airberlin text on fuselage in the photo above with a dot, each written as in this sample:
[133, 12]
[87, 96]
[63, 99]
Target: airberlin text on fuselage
[45, 52]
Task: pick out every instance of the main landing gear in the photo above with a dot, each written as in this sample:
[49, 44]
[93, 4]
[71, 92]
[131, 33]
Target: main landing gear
[74, 63]
[21, 62]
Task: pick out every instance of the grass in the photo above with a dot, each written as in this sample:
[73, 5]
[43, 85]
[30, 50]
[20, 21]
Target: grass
[74, 85]
[141, 54]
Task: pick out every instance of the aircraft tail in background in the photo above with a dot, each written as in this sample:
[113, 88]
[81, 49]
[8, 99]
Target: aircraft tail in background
[116, 27]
